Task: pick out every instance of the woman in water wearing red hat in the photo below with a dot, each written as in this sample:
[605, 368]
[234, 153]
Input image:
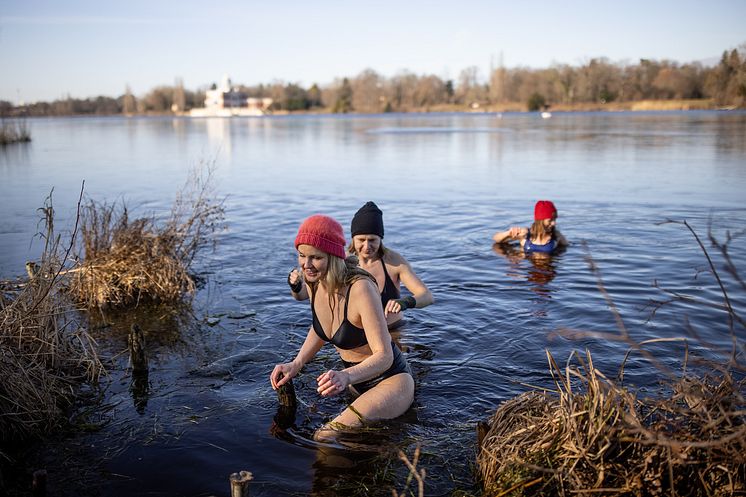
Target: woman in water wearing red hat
[346, 312]
[542, 236]
[389, 268]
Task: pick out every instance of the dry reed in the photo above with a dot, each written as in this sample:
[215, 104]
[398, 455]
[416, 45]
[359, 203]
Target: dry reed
[418, 475]
[44, 354]
[125, 261]
[592, 436]
[13, 131]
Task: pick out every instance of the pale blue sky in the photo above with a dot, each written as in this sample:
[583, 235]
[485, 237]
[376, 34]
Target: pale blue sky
[49, 49]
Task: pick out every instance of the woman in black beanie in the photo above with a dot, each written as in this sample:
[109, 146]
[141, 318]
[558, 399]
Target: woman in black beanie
[389, 268]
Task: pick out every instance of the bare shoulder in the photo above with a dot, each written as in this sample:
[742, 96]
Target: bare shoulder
[364, 298]
[362, 287]
[394, 258]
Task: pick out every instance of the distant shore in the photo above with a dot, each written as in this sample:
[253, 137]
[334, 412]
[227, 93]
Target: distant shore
[640, 105]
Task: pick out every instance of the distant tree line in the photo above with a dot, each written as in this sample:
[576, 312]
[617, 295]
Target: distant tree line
[596, 82]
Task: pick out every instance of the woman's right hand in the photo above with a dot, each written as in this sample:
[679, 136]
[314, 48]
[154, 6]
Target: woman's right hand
[282, 373]
[515, 232]
[295, 281]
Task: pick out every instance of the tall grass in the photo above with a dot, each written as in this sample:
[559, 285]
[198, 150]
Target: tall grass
[45, 354]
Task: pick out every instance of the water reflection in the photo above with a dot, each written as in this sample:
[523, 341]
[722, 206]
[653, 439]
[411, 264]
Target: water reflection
[347, 472]
[479, 345]
[140, 390]
[219, 134]
[15, 154]
[539, 274]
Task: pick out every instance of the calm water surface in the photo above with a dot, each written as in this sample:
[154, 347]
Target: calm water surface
[445, 184]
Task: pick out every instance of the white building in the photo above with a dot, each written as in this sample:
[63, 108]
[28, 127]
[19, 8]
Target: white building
[226, 101]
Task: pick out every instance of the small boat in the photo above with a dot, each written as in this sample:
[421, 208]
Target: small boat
[546, 115]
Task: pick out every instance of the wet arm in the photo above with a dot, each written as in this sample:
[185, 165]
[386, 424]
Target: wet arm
[414, 284]
[514, 233]
[366, 299]
[561, 240]
[308, 350]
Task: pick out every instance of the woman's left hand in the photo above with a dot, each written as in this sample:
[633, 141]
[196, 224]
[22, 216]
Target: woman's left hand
[392, 307]
[332, 383]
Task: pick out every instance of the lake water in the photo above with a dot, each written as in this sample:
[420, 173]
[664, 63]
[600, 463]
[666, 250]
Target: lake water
[446, 183]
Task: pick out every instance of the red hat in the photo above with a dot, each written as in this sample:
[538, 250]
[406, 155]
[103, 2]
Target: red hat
[544, 209]
[324, 233]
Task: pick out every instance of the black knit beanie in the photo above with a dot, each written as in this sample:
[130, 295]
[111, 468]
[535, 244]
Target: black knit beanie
[368, 220]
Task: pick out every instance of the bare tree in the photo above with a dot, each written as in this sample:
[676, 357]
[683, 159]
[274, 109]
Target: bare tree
[469, 90]
[367, 92]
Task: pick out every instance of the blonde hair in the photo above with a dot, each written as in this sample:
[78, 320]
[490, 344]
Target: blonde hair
[537, 229]
[341, 273]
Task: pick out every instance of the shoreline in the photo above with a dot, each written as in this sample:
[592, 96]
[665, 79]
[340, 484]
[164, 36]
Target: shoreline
[510, 107]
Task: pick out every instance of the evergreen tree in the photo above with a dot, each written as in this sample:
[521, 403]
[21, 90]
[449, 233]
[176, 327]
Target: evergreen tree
[344, 98]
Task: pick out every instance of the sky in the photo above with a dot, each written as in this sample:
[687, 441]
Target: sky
[51, 49]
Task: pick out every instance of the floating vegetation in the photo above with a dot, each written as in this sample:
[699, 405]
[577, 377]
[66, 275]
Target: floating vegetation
[592, 435]
[44, 354]
[13, 131]
[126, 261]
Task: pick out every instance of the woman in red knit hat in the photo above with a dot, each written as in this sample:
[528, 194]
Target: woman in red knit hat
[388, 267]
[346, 312]
[542, 237]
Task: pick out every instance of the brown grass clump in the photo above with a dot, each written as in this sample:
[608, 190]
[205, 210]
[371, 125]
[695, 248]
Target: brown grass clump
[592, 436]
[125, 261]
[13, 131]
[43, 354]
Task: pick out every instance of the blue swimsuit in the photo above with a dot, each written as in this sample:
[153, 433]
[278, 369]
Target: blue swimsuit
[546, 248]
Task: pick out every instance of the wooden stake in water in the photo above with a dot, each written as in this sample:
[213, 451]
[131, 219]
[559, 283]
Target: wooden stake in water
[136, 342]
[39, 483]
[240, 484]
[286, 394]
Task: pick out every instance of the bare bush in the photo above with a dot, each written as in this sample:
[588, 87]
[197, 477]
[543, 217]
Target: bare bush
[45, 355]
[125, 261]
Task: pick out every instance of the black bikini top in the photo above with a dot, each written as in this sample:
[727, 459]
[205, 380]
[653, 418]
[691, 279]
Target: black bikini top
[390, 291]
[348, 336]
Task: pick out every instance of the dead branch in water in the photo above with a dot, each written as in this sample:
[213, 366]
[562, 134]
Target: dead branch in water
[414, 474]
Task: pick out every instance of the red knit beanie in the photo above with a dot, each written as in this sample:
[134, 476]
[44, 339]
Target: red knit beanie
[324, 233]
[544, 209]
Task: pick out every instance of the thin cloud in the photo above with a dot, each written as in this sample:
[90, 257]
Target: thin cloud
[89, 20]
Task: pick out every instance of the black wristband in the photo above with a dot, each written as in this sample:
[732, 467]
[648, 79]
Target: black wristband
[295, 287]
[407, 302]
